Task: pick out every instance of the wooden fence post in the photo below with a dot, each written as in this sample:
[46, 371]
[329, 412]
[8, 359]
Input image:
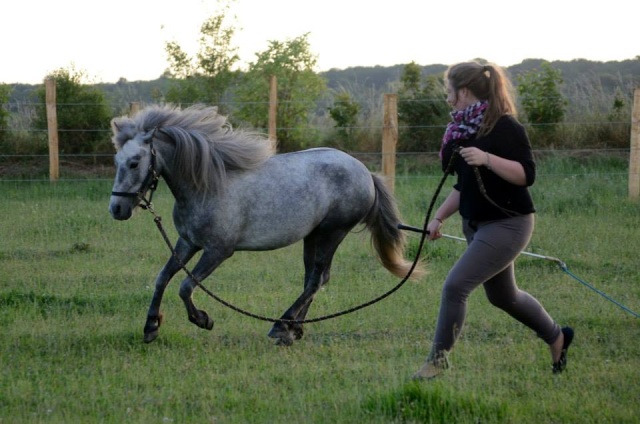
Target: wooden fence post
[52, 129]
[634, 151]
[134, 108]
[273, 106]
[390, 139]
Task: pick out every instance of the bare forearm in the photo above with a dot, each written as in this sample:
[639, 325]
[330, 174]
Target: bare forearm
[506, 169]
[509, 170]
[448, 208]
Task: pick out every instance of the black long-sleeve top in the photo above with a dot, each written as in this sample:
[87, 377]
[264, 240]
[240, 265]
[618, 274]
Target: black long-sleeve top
[508, 140]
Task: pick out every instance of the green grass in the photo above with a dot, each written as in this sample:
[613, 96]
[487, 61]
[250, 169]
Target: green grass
[75, 286]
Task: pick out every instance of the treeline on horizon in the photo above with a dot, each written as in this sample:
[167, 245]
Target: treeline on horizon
[569, 106]
[609, 75]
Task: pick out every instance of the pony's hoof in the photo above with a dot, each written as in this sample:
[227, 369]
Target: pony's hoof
[277, 331]
[298, 332]
[284, 341]
[283, 335]
[202, 320]
[149, 337]
[151, 328]
[209, 324]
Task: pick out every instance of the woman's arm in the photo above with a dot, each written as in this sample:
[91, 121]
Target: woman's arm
[448, 208]
[509, 170]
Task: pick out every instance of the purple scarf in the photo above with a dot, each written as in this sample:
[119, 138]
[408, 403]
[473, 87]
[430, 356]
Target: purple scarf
[464, 123]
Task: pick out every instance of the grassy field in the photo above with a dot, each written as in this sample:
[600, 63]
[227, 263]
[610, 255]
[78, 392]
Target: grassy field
[75, 286]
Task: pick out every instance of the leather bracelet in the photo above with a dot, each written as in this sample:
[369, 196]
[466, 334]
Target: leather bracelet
[439, 220]
[488, 165]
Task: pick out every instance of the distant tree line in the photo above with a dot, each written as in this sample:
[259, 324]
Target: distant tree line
[336, 108]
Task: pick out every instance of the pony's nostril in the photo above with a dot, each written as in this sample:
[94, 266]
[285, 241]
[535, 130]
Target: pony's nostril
[115, 210]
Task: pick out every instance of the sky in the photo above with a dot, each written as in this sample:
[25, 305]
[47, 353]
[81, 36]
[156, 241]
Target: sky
[109, 40]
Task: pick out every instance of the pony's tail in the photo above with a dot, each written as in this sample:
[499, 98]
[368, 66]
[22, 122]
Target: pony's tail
[389, 241]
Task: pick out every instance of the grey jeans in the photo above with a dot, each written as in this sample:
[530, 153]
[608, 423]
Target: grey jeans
[488, 261]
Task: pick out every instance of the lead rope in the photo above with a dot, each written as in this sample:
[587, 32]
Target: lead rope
[158, 221]
[560, 263]
[483, 191]
[563, 266]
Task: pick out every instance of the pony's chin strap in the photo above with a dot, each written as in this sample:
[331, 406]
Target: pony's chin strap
[144, 202]
[123, 194]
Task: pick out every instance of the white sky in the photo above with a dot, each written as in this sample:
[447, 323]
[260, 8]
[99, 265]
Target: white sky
[125, 38]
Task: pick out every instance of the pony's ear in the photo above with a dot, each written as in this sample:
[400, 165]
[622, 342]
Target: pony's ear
[122, 130]
[148, 136]
[119, 124]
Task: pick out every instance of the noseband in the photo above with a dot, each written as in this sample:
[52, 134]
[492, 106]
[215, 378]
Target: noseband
[150, 182]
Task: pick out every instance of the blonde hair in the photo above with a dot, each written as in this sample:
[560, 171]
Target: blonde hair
[486, 82]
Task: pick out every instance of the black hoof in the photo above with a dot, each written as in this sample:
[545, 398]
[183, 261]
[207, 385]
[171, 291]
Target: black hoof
[149, 337]
[276, 333]
[298, 331]
[209, 324]
[151, 328]
[280, 332]
[284, 341]
[202, 320]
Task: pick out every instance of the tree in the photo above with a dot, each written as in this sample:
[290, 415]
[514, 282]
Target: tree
[82, 113]
[299, 87]
[542, 101]
[5, 94]
[345, 114]
[540, 95]
[614, 130]
[422, 110]
[207, 77]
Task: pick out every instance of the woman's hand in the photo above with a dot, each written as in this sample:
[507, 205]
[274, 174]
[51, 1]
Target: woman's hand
[434, 229]
[474, 156]
[448, 208]
[509, 170]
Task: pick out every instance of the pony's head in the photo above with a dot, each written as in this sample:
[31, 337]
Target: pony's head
[196, 147]
[135, 167]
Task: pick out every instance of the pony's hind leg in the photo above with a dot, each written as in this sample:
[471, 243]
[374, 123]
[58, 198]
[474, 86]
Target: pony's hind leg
[298, 328]
[184, 251]
[319, 249]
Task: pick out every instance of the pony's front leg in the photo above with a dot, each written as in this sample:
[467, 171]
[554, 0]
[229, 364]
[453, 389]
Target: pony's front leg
[184, 252]
[208, 262]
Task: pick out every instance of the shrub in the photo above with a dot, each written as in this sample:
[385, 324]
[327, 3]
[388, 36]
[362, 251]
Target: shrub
[82, 113]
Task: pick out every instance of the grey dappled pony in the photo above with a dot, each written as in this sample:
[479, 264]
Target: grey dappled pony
[233, 193]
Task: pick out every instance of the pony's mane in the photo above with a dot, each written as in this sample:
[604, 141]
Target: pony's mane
[206, 147]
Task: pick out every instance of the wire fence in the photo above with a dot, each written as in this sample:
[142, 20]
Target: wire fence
[24, 155]
[409, 165]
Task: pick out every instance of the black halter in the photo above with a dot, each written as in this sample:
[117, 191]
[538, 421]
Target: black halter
[150, 182]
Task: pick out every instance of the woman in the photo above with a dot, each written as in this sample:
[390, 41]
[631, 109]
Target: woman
[494, 165]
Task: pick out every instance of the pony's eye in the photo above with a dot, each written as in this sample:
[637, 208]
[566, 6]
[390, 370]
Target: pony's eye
[133, 165]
